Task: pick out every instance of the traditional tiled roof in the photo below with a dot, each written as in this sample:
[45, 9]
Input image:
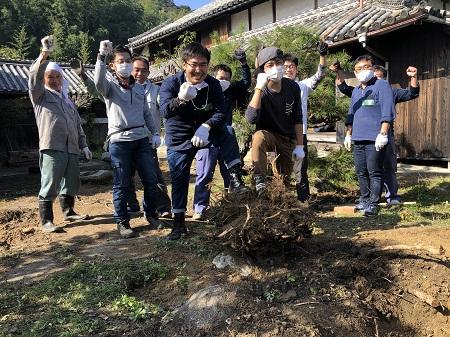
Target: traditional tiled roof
[342, 20]
[14, 77]
[207, 12]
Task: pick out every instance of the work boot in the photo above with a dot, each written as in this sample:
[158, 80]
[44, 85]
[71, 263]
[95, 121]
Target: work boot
[67, 203]
[260, 184]
[302, 195]
[125, 230]
[179, 227]
[236, 183]
[46, 215]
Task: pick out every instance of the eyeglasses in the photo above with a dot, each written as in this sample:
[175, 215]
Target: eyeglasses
[364, 67]
[289, 66]
[198, 65]
[276, 62]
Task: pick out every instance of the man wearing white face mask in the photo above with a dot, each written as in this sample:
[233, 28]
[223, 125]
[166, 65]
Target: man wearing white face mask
[275, 109]
[61, 138]
[369, 117]
[129, 120]
[206, 159]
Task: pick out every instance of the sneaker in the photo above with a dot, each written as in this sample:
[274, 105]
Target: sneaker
[125, 230]
[393, 202]
[155, 223]
[361, 206]
[198, 216]
[261, 185]
[166, 215]
[371, 210]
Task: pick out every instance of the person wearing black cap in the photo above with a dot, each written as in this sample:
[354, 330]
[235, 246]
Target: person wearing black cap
[275, 109]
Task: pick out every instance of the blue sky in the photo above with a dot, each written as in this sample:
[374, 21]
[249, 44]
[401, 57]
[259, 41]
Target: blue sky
[194, 4]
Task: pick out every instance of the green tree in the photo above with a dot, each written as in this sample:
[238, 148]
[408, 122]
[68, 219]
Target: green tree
[21, 42]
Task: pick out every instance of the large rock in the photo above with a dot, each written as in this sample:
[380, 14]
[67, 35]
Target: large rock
[205, 309]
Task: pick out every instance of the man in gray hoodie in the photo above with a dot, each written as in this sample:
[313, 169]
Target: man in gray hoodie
[129, 121]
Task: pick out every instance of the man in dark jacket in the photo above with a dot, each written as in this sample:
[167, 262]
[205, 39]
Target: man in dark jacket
[206, 159]
[192, 103]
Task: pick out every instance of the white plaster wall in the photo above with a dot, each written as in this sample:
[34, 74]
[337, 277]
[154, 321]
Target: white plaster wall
[238, 19]
[262, 14]
[287, 8]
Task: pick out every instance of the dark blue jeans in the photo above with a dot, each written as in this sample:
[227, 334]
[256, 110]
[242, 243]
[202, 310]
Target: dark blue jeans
[390, 172]
[162, 199]
[369, 169]
[125, 158]
[180, 164]
[206, 160]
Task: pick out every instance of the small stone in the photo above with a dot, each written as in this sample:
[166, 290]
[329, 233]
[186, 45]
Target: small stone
[222, 261]
[288, 296]
[28, 230]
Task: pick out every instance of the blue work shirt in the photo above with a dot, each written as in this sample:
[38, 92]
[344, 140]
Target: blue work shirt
[182, 120]
[369, 107]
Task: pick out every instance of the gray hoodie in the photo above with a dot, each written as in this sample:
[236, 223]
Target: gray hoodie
[125, 108]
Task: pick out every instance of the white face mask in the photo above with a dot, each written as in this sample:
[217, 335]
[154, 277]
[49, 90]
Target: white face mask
[364, 76]
[224, 84]
[276, 73]
[124, 69]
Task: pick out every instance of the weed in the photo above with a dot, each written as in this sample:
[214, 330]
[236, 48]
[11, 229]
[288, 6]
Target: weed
[291, 279]
[68, 303]
[183, 283]
[271, 295]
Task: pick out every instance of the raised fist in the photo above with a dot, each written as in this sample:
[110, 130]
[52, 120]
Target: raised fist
[105, 48]
[322, 48]
[48, 43]
[239, 54]
[411, 71]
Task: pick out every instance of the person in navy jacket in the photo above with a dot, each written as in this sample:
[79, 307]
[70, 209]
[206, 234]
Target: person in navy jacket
[192, 103]
[369, 117]
[206, 159]
[400, 95]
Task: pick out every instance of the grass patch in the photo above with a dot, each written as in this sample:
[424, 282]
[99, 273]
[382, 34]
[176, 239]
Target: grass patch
[79, 300]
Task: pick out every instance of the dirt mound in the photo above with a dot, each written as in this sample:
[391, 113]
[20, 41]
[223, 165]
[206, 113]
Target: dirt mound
[265, 224]
[16, 224]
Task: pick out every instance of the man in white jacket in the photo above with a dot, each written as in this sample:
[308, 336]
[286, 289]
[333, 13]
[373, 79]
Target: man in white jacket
[306, 86]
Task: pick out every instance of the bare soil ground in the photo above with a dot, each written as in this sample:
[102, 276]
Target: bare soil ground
[353, 277]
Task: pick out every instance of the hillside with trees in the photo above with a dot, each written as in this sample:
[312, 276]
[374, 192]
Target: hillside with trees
[78, 25]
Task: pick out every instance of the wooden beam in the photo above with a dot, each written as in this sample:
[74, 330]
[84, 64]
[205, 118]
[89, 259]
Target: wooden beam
[250, 19]
[274, 11]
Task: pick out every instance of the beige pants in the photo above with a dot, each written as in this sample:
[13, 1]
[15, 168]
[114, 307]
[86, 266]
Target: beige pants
[265, 141]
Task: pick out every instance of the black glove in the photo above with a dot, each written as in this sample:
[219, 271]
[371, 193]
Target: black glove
[337, 64]
[322, 48]
[239, 55]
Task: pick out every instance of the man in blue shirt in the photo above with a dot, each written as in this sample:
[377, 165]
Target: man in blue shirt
[193, 105]
[400, 95]
[369, 117]
[206, 159]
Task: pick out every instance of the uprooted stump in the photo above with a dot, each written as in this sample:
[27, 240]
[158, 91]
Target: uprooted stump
[266, 224]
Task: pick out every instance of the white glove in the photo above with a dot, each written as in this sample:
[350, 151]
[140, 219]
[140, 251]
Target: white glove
[298, 153]
[348, 142]
[156, 141]
[48, 43]
[381, 141]
[87, 153]
[105, 48]
[261, 81]
[200, 138]
[187, 92]
[298, 170]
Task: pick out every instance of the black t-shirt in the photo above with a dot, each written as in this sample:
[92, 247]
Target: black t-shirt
[280, 111]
